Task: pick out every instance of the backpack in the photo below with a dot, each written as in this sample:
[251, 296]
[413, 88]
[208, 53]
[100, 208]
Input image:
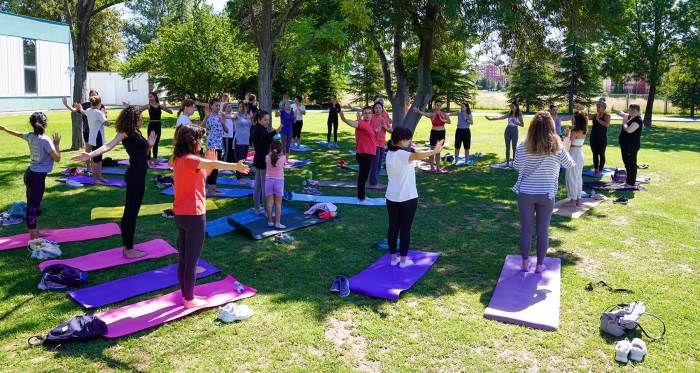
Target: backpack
[61, 277]
[620, 176]
[18, 209]
[109, 162]
[79, 328]
[621, 318]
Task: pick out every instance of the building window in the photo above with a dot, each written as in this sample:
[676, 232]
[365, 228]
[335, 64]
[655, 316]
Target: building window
[130, 85]
[29, 48]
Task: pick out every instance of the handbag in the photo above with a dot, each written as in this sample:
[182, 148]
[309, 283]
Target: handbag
[619, 319]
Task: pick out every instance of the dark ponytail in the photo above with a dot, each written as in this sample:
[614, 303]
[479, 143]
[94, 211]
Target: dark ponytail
[399, 134]
[275, 151]
[38, 122]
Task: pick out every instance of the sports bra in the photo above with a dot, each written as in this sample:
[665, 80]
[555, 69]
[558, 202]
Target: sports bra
[437, 120]
[513, 121]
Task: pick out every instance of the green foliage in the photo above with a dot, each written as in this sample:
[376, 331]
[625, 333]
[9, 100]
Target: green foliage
[322, 84]
[365, 79]
[579, 77]
[531, 82]
[453, 72]
[147, 16]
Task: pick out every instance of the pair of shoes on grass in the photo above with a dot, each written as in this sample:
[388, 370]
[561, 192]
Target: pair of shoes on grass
[341, 285]
[626, 350]
[234, 312]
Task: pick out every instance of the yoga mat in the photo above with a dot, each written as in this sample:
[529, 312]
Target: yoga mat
[221, 225]
[152, 312]
[356, 168]
[132, 286]
[606, 172]
[105, 170]
[561, 209]
[235, 182]
[116, 212]
[425, 166]
[113, 257]
[88, 232]
[612, 186]
[527, 298]
[327, 145]
[338, 200]
[382, 280]
[301, 148]
[154, 166]
[295, 163]
[345, 184]
[87, 180]
[258, 229]
[225, 192]
[501, 166]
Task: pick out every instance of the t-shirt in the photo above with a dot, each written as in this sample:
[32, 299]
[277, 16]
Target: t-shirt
[229, 126]
[380, 137]
[243, 129]
[365, 140]
[40, 149]
[287, 120]
[85, 106]
[183, 119]
[557, 125]
[261, 143]
[96, 120]
[463, 120]
[277, 171]
[401, 173]
[333, 111]
[631, 140]
[215, 131]
[298, 111]
[137, 148]
[513, 122]
[188, 184]
[539, 173]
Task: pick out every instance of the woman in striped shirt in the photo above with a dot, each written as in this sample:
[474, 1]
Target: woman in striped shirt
[538, 160]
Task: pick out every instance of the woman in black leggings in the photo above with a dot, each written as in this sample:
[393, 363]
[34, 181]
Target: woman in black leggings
[599, 137]
[155, 111]
[365, 149]
[128, 133]
[630, 140]
[332, 122]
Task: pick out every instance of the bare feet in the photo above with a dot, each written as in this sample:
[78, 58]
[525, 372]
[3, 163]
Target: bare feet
[133, 253]
[199, 269]
[257, 211]
[578, 202]
[525, 267]
[195, 302]
[98, 182]
[539, 268]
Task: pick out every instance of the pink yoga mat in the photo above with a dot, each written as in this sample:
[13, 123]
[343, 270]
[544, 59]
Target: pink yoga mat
[152, 312]
[527, 298]
[89, 232]
[114, 257]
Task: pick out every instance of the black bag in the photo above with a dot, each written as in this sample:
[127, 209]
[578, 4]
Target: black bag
[619, 319]
[620, 176]
[62, 277]
[109, 162]
[79, 328]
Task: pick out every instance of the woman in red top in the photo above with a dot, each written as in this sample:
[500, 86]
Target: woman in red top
[189, 174]
[437, 133]
[382, 124]
[365, 148]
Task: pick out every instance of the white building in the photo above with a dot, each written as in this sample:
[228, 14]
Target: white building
[114, 89]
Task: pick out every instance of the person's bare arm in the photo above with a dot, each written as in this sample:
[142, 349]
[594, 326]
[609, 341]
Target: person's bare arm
[629, 128]
[521, 120]
[349, 122]
[165, 109]
[85, 156]
[427, 115]
[12, 132]
[56, 154]
[447, 119]
[504, 116]
[438, 147]
[221, 165]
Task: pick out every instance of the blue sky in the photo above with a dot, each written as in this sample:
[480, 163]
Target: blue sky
[218, 4]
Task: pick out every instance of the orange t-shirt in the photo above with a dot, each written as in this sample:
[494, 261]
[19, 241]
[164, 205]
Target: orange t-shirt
[189, 182]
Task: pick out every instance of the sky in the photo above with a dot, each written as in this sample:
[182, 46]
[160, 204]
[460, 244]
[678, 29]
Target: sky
[218, 5]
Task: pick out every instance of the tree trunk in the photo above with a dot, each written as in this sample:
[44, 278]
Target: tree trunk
[80, 56]
[264, 41]
[398, 103]
[424, 92]
[650, 102]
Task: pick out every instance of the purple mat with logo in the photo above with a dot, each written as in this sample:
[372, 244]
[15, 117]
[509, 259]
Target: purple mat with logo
[87, 180]
[527, 298]
[382, 280]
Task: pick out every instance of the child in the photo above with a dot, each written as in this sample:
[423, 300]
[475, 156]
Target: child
[189, 206]
[401, 193]
[96, 121]
[365, 149]
[437, 133]
[186, 110]
[262, 138]
[287, 126]
[515, 120]
[44, 151]
[463, 135]
[274, 183]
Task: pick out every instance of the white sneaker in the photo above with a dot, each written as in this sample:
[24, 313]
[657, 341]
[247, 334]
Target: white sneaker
[394, 260]
[280, 226]
[233, 312]
[405, 264]
[622, 350]
[270, 224]
[365, 202]
[638, 350]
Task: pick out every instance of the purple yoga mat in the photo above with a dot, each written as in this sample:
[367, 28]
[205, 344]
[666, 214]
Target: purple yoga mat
[527, 298]
[382, 280]
[89, 232]
[132, 286]
[87, 180]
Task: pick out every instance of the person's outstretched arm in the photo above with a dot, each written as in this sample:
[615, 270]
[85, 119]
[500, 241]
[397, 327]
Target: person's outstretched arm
[438, 147]
[221, 165]
[427, 115]
[86, 156]
[349, 122]
[12, 132]
[504, 116]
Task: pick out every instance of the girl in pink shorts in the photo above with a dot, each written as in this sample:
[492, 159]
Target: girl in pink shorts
[274, 183]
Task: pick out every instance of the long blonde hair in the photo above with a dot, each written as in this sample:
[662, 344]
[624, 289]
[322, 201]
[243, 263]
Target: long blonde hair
[541, 135]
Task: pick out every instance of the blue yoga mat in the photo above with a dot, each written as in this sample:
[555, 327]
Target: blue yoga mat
[246, 183]
[301, 148]
[606, 172]
[327, 144]
[225, 192]
[338, 200]
[296, 164]
[128, 287]
[219, 226]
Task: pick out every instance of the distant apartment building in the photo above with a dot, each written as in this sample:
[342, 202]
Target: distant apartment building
[493, 73]
[631, 86]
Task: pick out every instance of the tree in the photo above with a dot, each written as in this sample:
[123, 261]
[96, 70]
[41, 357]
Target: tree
[579, 78]
[148, 16]
[322, 84]
[683, 82]
[365, 76]
[531, 81]
[106, 41]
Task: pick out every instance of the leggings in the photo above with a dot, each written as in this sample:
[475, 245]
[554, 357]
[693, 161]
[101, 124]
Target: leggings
[229, 153]
[190, 240]
[400, 220]
[259, 190]
[154, 127]
[629, 158]
[286, 142]
[332, 123]
[135, 188]
[534, 208]
[36, 184]
[376, 166]
[511, 137]
[211, 179]
[241, 155]
[365, 162]
[598, 146]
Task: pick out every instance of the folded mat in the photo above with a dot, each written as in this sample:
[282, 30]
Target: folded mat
[152, 312]
[116, 212]
[258, 229]
[294, 163]
[501, 166]
[88, 232]
[219, 226]
[356, 168]
[527, 298]
[338, 200]
[235, 182]
[113, 257]
[225, 192]
[344, 184]
[561, 208]
[132, 286]
[382, 280]
[87, 180]
[606, 172]
[612, 186]
[328, 145]
[154, 166]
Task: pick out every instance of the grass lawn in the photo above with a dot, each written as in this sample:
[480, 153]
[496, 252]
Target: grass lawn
[650, 245]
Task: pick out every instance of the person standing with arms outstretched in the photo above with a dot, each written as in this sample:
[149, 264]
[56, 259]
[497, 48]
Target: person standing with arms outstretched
[365, 149]
[332, 122]
[630, 140]
[515, 120]
[599, 136]
[437, 132]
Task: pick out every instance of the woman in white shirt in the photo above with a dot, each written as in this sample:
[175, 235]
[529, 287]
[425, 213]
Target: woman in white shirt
[299, 111]
[574, 175]
[401, 192]
[229, 134]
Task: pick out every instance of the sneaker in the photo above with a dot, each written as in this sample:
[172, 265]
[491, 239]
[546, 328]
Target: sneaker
[365, 202]
[280, 226]
[10, 220]
[622, 350]
[344, 289]
[335, 286]
[394, 260]
[270, 224]
[406, 263]
[234, 312]
[168, 214]
[283, 238]
[638, 350]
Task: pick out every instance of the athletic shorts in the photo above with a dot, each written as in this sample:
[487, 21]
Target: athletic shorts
[463, 138]
[99, 141]
[436, 136]
[274, 187]
[296, 129]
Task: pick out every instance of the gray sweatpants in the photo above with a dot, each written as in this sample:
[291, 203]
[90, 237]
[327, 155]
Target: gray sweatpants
[190, 240]
[534, 208]
[259, 191]
[511, 137]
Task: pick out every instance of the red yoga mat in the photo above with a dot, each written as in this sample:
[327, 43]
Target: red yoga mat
[113, 257]
[88, 232]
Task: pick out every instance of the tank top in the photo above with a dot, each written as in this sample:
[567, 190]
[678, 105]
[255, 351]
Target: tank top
[631, 140]
[137, 148]
[512, 121]
[598, 130]
[154, 113]
[438, 120]
[463, 120]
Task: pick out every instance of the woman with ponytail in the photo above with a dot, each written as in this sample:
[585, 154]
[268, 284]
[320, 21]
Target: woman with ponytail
[262, 138]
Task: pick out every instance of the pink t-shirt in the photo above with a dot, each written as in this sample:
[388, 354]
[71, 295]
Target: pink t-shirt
[277, 171]
[189, 181]
[365, 141]
[380, 137]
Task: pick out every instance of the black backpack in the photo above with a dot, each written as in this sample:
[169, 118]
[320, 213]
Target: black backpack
[62, 277]
[109, 162]
[620, 176]
[79, 328]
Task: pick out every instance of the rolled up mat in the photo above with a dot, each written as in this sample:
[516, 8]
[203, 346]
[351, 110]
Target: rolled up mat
[606, 172]
[294, 163]
[116, 212]
[356, 168]
[338, 200]
[88, 232]
[562, 208]
[219, 226]
[258, 229]
[87, 180]
[113, 257]
[345, 184]
[612, 186]
[382, 280]
[527, 298]
[132, 286]
[153, 166]
[225, 193]
[156, 311]
[249, 183]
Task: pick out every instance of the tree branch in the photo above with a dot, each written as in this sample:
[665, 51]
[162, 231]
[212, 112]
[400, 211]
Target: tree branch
[386, 71]
[293, 11]
[106, 5]
[280, 63]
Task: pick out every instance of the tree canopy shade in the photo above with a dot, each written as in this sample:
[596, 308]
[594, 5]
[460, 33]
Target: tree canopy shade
[147, 16]
[531, 81]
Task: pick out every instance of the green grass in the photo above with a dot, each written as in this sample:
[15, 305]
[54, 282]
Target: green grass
[650, 245]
